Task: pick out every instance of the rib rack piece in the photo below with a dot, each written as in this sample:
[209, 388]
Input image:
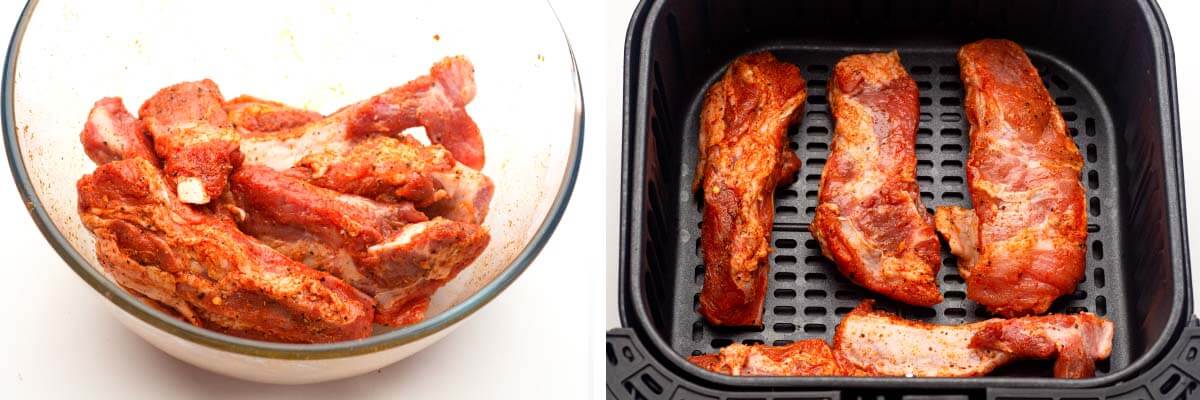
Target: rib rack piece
[877, 343]
[206, 271]
[112, 133]
[743, 157]
[870, 219]
[194, 138]
[390, 251]
[1023, 245]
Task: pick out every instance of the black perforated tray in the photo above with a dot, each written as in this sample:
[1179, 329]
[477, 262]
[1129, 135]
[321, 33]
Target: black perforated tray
[807, 296]
[1107, 64]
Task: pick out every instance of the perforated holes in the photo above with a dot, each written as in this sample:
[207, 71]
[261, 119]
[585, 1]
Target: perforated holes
[951, 117]
[785, 310]
[785, 276]
[818, 69]
[954, 279]
[952, 132]
[817, 84]
[814, 294]
[816, 100]
[1072, 132]
[952, 180]
[1070, 116]
[1076, 310]
[696, 302]
[1097, 250]
[950, 85]
[924, 133]
[926, 101]
[815, 164]
[951, 101]
[816, 117]
[1093, 180]
[697, 331]
[1094, 206]
[1169, 384]
[926, 117]
[811, 244]
[784, 328]
[952, 196]
[1059, 82]
[814, 311]
[923, 85]
[1101, 305]
[952, 148]
[924, 149]
[1065, 101]
[785, 259]
[812, 179]
[956, 312]
[793, 146]
[786, 210]
[1089, 127]
[814, 329]
[926, 196]
[785, 294]
[810, 195]
[924, 180]
[752, 342]
[1098, 277]
[921, 70]
[921, 313]
[952, 164]
[846, 295]
[924, 164]
[955, 295]
[699, 274]
[816, 146]
[948, 70]
[1091, 153]
[785, 243]
[817, 131]
[814, 277]
[843, 310]
[781, 342]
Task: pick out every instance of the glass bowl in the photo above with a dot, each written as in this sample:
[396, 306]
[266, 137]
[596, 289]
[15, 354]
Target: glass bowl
[321, 55]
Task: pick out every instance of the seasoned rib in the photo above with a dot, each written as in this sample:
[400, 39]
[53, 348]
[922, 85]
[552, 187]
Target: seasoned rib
[1023, 171]
[812, 357]
[382, 168]
[253, 116]
[743, 156]
[204, 269]
[389, 251]
[870, 220]
[112, 133]
[194, 138]
[877, 343]
[435, 102]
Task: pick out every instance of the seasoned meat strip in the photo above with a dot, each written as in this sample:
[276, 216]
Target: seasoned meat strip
[206, 270]
[1025, 245]
[870, 220]
[877, 343]
[194, 138]
[743, 157]
[112, 133]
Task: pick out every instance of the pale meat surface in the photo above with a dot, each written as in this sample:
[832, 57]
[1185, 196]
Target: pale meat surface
[876, 343]
[870, 220]
[111, 133]
[204, 270]
[1023, 171]
[743, 157]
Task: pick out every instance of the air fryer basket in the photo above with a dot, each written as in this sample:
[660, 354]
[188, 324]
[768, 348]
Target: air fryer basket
[1108, 64]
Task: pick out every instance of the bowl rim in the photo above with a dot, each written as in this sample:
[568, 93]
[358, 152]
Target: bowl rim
[259, 348]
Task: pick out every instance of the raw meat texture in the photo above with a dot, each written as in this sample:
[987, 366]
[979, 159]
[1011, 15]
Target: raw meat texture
[1023, 171]
[870, 220]
[193, 136]
[390, 251]
[812, 357]
[112, 133]
[253, 116]
[436, 101]
[876, 343]
[204, 269]
[743, 157]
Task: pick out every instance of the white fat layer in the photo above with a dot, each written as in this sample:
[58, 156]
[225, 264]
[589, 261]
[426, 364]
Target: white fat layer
[191, 191]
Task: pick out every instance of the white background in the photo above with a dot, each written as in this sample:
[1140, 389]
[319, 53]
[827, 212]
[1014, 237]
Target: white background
[1181, 16]
[58, 339]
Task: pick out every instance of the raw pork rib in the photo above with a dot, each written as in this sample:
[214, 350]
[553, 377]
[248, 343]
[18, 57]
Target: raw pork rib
[387, 250]
[206, 271]
[112, 133]
[253, 116]
[194, 138]
[870, 220]
[876, 343]
[1023, 244]
[743, 157]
